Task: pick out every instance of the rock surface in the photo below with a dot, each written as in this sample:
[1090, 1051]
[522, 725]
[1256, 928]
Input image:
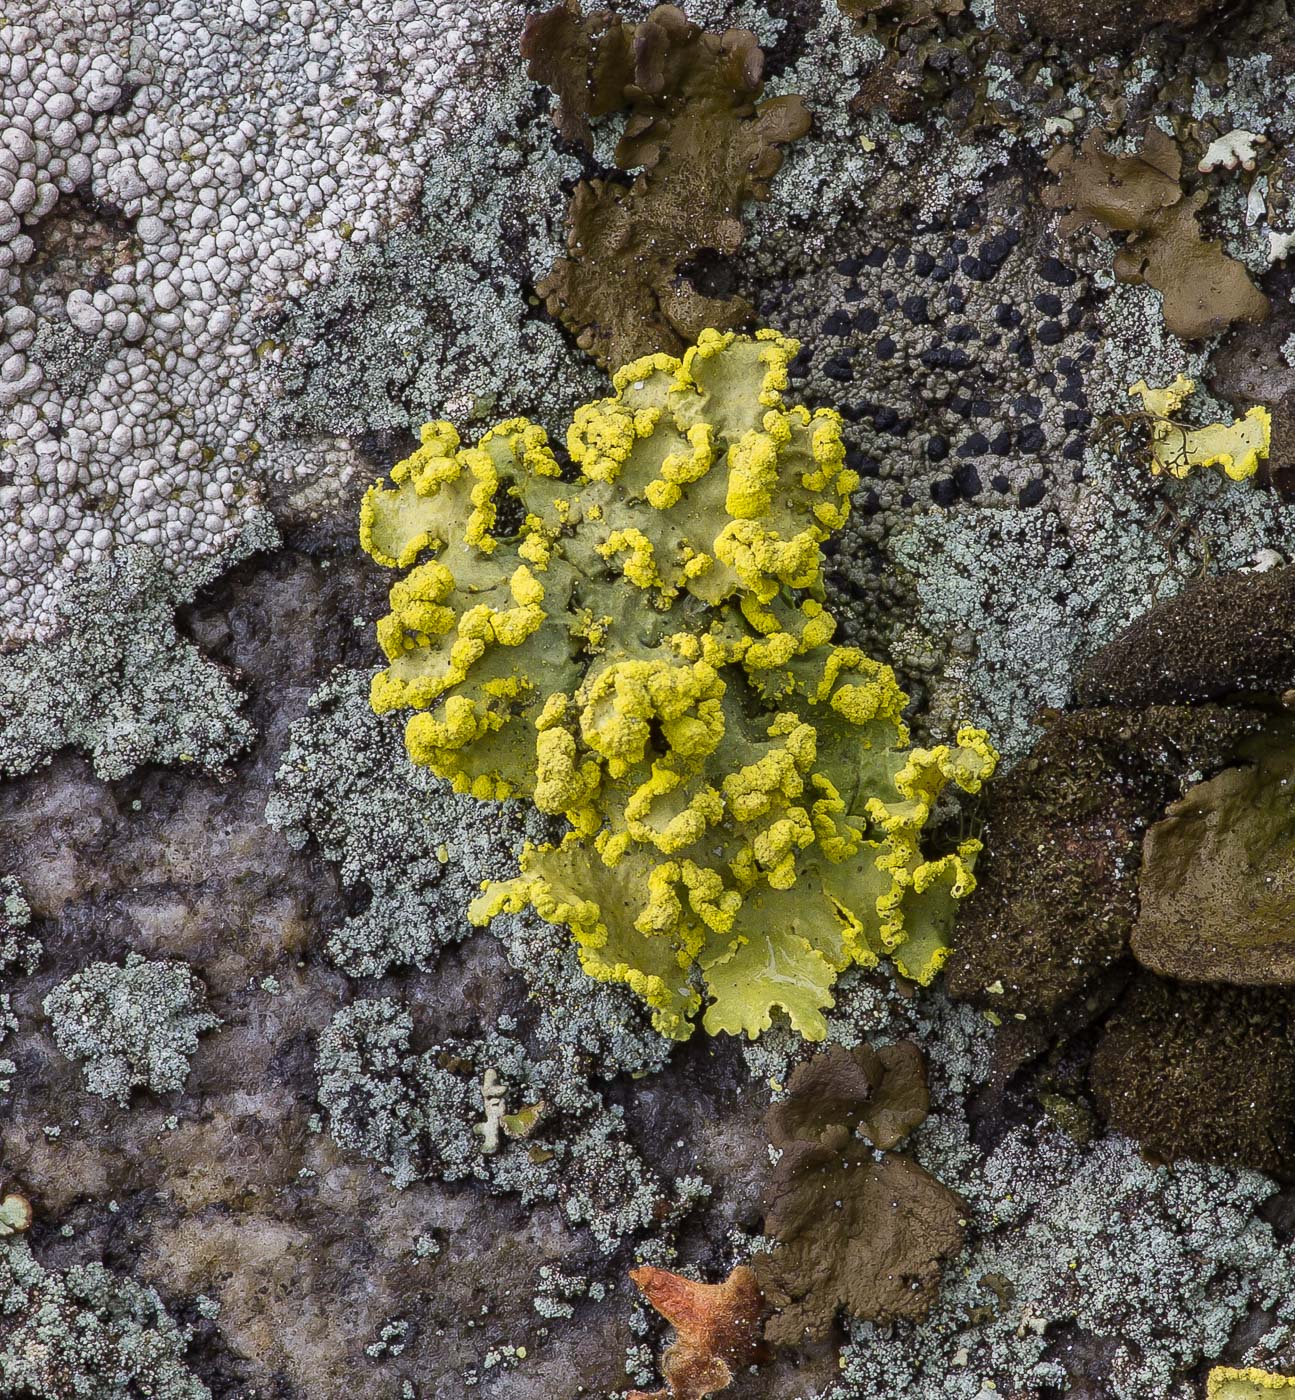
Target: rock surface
[244, 254]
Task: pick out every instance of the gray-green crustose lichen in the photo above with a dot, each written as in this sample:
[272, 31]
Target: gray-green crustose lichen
[19, 948]
[86, 1334]
[69, 358]
[1090, 554]
[436, 317]
[558, 1293]
[132, 1025]
[485, 1109]
[392, 827]
[421, 852]
[1061, 586]
[120, 681]
[1104, 1254]
[20, 951]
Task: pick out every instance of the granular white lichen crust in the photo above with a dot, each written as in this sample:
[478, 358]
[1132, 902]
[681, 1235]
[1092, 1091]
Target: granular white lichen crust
[170, 173]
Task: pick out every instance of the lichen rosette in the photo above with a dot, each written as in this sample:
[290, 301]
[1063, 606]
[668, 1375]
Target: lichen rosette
[640, 644]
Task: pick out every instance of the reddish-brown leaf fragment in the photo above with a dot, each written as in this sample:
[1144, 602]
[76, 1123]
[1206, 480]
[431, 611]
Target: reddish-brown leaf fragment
[717, 1327]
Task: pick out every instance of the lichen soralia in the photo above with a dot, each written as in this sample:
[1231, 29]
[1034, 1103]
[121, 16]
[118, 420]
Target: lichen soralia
[645, 651]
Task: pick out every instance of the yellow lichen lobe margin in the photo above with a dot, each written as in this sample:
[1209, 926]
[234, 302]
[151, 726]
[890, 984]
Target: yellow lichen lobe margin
[641, 646]
[1238, 447]
[1246, 1383]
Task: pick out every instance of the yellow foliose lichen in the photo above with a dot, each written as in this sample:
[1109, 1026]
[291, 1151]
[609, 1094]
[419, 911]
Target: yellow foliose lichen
[642, 647]
[1238, 447]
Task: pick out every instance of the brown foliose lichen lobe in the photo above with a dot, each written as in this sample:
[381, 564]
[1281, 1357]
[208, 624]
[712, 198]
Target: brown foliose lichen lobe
[866, 1236]
[1057, 895]
[1140, 196]
[881, 1093]
[1218, 637]
[705, 145]
[586, 61]
[1204, 290]
[857, 1231]
[1124, 192]
[1205, 1072]
[1215, 892]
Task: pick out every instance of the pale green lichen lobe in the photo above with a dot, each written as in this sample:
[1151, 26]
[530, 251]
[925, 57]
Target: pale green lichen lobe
[641, 646]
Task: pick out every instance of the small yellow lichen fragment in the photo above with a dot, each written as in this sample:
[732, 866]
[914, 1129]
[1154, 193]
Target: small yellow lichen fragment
[1238, 447]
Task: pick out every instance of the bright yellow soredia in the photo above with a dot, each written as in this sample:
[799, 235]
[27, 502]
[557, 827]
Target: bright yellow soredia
[1238, 447]
[640, 645]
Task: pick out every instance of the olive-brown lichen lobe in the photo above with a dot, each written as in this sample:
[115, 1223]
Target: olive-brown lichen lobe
[1139, 196]
[705, 144]
[855, 1231]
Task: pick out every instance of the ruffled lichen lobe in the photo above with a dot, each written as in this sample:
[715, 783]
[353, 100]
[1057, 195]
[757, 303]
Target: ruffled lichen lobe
[640, 645]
